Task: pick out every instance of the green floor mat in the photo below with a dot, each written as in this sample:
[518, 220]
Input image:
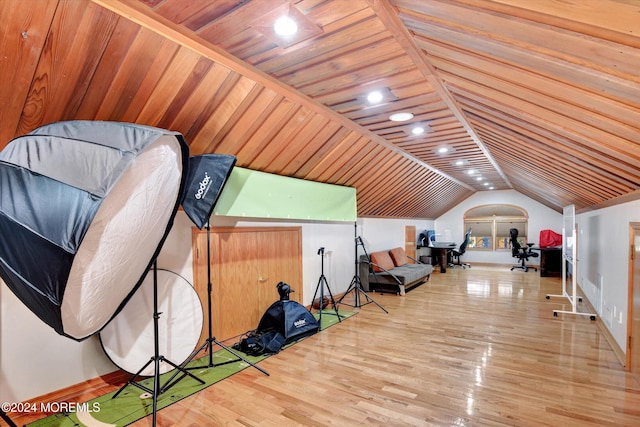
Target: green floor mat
[129, 407]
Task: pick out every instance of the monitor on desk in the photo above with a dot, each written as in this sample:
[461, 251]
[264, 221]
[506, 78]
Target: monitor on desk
[426, 238]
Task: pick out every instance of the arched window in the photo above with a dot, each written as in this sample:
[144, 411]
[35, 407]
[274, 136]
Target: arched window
[490, 225]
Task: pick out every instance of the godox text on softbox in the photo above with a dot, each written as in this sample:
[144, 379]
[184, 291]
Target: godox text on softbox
[290, 318]
[208, 174]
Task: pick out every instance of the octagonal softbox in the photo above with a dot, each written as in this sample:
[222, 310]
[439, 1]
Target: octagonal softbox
[84, 209]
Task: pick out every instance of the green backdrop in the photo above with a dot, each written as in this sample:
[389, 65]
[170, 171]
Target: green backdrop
[256, 194]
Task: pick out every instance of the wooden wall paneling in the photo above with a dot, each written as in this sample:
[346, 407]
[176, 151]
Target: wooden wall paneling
[106, 85]
[354, 168]
[219, 82]
[595, 80]
[168, 86]
[142, 58]
[320, 142]
[330, 154]
[256, 107]
[618, 24]
[21, 42]
[234, 98]
[538, 155]
[288, 144]
[468, 65]
[580, 153]
[199, 103]
[351, 148]
[584, 125]
[284, 116]
[61, 79]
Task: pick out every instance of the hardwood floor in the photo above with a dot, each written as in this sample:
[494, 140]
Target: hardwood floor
[475, 347]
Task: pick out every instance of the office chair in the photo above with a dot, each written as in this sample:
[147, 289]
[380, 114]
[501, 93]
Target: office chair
[520, 252]
[455, 254]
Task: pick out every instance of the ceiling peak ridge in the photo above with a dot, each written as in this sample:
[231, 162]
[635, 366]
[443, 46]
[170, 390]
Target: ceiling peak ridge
[387, 14]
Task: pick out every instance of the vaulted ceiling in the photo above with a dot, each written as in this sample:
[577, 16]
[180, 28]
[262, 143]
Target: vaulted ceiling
[542, 97]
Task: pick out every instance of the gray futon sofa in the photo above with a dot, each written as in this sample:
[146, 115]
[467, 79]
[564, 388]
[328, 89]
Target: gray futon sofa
[391, 271]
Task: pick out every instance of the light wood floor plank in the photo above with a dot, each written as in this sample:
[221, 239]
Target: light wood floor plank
[475, 347]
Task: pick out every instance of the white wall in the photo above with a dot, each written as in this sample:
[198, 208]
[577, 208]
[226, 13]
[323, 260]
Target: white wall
[35, 360]
[603, 263]
[380, 234]
[450, 225]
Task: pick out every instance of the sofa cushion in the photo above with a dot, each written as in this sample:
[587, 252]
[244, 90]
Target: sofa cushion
[381, 260]
[399, 257]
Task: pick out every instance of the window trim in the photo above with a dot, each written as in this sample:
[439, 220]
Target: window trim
[494, 220]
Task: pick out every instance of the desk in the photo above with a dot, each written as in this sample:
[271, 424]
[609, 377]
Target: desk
[550, 261]
[443, 248]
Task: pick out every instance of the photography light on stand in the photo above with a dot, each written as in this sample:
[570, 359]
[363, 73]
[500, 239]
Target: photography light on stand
[208, 174]
[88, 205]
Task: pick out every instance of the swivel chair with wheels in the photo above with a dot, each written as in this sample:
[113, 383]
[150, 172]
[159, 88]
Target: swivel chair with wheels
[455, 254]
[520, 252]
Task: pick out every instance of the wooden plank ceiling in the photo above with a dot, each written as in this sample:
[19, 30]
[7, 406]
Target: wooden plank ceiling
[542, 97]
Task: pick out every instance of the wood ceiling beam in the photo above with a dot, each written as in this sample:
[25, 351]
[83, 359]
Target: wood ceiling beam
[142, 15]
[389, 16]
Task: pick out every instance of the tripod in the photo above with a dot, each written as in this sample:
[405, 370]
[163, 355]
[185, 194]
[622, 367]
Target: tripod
[211, 340]
[322, 282]
[356, 284]
[5, 417]
[157, 358]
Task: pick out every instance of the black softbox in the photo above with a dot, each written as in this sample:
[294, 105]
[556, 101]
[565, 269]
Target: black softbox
[291, 319]
[208, 174]
[84, 209]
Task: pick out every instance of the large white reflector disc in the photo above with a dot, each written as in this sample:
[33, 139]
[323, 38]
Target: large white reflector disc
[128, 339]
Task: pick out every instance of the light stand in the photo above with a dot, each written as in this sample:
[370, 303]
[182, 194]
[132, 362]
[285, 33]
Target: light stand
[322, 282]
[356, 283]
[208, 344]
[157, 358]
[5, 417]
[208, 175]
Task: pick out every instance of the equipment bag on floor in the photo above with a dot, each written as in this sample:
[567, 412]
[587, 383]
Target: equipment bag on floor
[259, 343]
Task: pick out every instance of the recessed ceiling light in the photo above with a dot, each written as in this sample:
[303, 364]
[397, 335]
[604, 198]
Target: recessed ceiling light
[479, 178]
[486, 184]
[375, 97]
[444, 149]
[470, 172]
[285, 26]
[491, 188]
[401, 117]
[418, 130]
